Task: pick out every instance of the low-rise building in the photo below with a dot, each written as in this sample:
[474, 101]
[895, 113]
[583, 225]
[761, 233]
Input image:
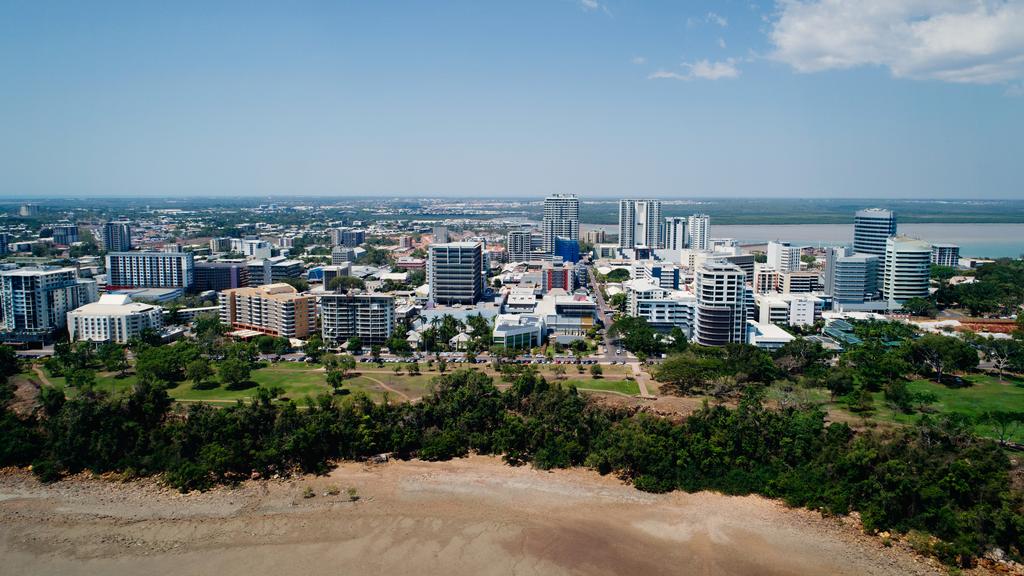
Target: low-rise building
[114, 318]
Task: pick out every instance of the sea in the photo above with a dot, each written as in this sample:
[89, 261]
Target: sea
[975, 240]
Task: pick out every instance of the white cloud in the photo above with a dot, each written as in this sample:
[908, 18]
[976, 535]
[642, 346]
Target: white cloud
[977, 41]
[721, 42]
[590, 4]
[701, 69]
[716, 19]
[638, 60]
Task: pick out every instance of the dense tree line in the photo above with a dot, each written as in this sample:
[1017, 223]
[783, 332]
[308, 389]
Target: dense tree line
[936, 477]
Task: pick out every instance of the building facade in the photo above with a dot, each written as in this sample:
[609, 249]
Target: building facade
[34, 302]
[871, 228]
[851, 278]
[276, 309]
[369, 317]
[150, 270]
[907, 269]
[455, 273]
[673, 237]
[698, 232]
[946, 255]
[117, 236]
[517, 244]
[220, 276]
[114, 318]
[65, 233]
[640, 223]
[784, 257]
[721, 316]
[561, 218]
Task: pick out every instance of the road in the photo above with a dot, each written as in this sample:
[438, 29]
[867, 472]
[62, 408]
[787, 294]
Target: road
[610, 347]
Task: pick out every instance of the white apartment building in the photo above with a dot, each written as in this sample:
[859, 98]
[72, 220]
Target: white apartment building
[518, 245]
[150, 270]
[114, 318]
[784, 257]
[561, 218]
[455, 273]
[698, 232]
[640, 223]
[369, 317]
[34, 302]
[721, 316]
[907, 269]
[674, 235]
[946, 255]
[788, 309]
[663, 308]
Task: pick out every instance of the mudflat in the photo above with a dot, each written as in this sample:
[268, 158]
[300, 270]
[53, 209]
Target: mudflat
[473, 516]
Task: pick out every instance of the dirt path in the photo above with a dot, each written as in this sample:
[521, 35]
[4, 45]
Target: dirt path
[404, 396]
[466, 517]
[42, 375]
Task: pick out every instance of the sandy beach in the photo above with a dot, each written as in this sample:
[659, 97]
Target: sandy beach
[465, 517]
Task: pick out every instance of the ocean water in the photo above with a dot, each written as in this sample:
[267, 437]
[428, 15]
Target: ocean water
[975, 240]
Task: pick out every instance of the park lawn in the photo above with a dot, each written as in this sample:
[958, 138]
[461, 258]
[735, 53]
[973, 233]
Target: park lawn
[986, 394]
[295, 379]
[628, 387]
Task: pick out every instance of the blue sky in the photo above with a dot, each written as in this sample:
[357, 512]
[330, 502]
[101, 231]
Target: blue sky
[837, 98]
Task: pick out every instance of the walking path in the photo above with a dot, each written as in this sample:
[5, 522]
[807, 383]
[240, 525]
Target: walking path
[641, 380]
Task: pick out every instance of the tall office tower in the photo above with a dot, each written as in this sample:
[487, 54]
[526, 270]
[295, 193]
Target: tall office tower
[871, 228]
[65, 233]
[784, 257]
[946, 255]
[518, 245]
[5, 243]
[369, 317]
[851, 278]
[441, 235]
[561, 218]
[721, 304]
[117, 236]
[907, 269]
[567, 249]
[35, 301]
[150, 270]
[674, 235]
[276, 309]
[455, 273]
[698, 232]
[640, 223]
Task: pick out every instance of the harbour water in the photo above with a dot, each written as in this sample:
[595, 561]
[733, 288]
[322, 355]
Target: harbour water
[975, 240]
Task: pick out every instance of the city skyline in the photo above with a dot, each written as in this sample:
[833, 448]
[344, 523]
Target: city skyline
[602, 99]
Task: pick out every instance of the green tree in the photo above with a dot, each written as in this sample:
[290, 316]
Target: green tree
[198, 372]
[234, 373]
[942, 354]
[113, 357]
[345, 283]
[920, 307]
[314, 347]
[596, 371]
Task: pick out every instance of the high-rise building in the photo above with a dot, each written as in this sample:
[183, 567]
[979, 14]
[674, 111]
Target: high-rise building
[640, 223]
[674, 235]
[220, 275]
[946, 255]
[871, 228]
[557, 276]
[851, 278]
[721, 304]
[114, 318]
[65, 233]
[28, 210]
[5, 243]
[518, 245]
[220, 244]
[273, 270]
[455, 273]
[352, 238]
[252, 247]
[369, 317]
[150, 270]
[596, 236]
[276, 309]
[783, 256]
[698, 232]
[907, 269]
[34, 302]
[663, 308]
[117, 236]
[441, 235]
[561, 218]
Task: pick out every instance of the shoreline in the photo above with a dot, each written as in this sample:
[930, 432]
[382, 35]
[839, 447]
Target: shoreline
[473, 515]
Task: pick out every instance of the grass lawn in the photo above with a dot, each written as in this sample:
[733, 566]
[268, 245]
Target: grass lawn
[985, 394]
[629, 387]
[296, 379]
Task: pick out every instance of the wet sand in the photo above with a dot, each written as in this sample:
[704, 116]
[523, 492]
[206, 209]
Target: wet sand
[465, 517]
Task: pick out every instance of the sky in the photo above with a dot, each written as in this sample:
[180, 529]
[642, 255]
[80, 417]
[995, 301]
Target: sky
[601, 98]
